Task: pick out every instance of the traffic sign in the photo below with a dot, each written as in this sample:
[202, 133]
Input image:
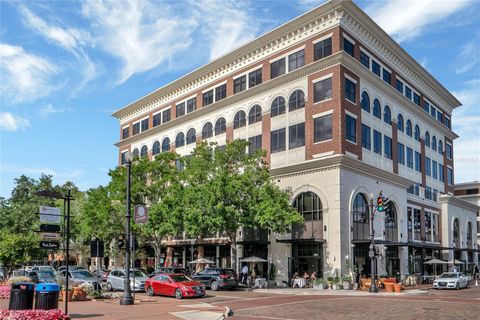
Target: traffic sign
[141, 214]
[49, 244]
[50, 215]
[49, 236]
[49, 228]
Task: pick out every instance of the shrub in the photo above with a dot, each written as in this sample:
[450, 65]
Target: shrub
[18, 279]
[33, 315]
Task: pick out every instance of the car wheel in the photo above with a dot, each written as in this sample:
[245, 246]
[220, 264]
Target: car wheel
[457, 286]
[178, 294]
[109, 286]
[150, 292]
[214, 285]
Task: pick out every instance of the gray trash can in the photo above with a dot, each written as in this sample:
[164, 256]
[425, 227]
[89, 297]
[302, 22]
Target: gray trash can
[21, 296]
[46, 296]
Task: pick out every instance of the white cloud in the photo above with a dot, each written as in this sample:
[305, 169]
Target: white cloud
[465, 124]
[69, 38]
[223, 32]
[407, 19]
[72, 40]
[142, 34]
[468, 57]
[25, 76]
[10, 122]
[59, 176]
[49, 109]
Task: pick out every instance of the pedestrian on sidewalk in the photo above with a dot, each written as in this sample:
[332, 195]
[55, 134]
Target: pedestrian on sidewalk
[244, 274]
[475, 272]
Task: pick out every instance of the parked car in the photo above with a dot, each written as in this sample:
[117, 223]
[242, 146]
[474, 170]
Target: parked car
[451, 280]
[63, 268]
[43, 268]
[78, 276]
[175, 285]
[115, 280]
[169, 270]
[217, 278]
[42, 276]
[102, 274]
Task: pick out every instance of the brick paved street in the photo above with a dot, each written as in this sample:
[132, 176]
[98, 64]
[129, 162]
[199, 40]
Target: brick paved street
[290, 304]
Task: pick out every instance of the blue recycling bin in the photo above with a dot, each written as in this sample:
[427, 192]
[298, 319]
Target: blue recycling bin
[46, 296]
[21, 296]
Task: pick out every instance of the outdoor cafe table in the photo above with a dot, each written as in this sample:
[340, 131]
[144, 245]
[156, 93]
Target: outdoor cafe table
[428, 279]
[300, 282]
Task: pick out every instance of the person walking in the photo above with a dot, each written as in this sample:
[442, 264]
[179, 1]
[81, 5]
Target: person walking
[476, 272]
[244, 274]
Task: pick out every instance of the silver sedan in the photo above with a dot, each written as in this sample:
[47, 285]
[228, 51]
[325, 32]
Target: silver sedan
[451, 280]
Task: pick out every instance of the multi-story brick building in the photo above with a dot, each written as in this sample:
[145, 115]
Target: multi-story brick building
[343, 113]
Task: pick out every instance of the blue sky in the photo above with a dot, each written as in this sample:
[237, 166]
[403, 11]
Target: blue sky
[65, 66]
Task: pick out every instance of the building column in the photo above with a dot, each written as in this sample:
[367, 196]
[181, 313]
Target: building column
[404, 258]
[169, 257]
[184, 257]
[217, 256]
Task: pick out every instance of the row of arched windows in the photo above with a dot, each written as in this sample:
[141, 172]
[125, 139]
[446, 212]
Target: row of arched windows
[407, 127]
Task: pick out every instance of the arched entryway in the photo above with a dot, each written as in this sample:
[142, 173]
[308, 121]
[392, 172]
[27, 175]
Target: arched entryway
[307, 239]
[361, 234]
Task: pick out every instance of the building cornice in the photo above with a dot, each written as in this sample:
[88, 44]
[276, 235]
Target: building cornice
[467, 185]
[319, 65]
[449, 199]
[355, 66]
[360, 25]
[343, 162]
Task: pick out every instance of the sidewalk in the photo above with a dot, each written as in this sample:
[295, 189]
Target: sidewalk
[328, 292]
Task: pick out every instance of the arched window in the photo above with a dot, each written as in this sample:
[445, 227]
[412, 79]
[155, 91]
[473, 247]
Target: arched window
[417, 133]
[360, 211]
[456, 233]
[387, 115]
[143, 151]
[391, 233]
[156, 148]
[207, 131]
[408, 128]
[277, 107]
[309, 206]
[469, 235]
[255, 114]
[365, 103]
[296, 100]
[240, 119]
[440, 146]
[220, 126]
[180, 140]
[427, 139]
[191, 136]
[400, 122]
[135, 153]
[166, 144]
[377, 112]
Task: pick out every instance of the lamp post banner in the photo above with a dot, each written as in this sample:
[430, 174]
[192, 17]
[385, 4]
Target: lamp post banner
[141, 214]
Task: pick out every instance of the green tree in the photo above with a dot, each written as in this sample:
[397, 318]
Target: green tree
[229, 189]
[17, 248]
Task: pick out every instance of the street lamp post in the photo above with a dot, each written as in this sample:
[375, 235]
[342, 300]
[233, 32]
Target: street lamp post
[373, 286]
[127, 298]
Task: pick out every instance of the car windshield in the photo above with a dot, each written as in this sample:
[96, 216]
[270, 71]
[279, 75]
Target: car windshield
[180, 278]
[46, 268]
[449, 275]
[45, 274]
[81, 274]
[178, 270]
[227, 271]
[137, 274]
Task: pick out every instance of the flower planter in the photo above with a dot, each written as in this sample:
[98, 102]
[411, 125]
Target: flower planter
[397, 287]
[68, 293]
[388, 287]
[347, 285]
[79, 294]
[318, 287]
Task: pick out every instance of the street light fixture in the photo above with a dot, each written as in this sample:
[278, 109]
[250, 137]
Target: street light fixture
[127, 298]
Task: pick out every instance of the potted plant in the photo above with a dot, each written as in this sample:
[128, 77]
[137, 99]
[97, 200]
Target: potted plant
[337, 284]
[353, 272]
[346, 282]
[66, 294]
[330, 282]
[272, 273]
[319, 284]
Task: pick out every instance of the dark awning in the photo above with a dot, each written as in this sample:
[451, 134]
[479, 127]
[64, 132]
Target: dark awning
[300, 240]
[427, 246]
[385, 242]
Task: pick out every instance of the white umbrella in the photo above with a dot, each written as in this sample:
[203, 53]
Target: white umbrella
[435, 261]
[254, 259]
[202, 261]
[455, 262]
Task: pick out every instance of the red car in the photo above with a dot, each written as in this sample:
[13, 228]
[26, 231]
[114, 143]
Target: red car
[175, 285]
